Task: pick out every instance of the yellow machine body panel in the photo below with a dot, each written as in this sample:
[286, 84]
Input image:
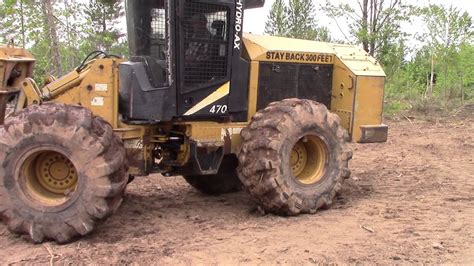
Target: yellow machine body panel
[15, 61]
[356, 97]
[357, 84]
[95, 88]
[343, 91]
[367, 111]
[271, 48]
[16, 65]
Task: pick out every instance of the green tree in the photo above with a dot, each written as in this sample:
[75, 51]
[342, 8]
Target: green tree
[374, 24]
[73, 33]
[324, 35]
[103, 17]
[50, 29]
[392, 56]
[277, 21]
[301, 21]
[295, 20]
[447, 29]
[61, 33]
[13, 15]
[465, 71]
[26, 22]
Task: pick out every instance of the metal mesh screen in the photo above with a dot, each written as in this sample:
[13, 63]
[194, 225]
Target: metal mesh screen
[205, 43]
[158, 33]
[148, 28]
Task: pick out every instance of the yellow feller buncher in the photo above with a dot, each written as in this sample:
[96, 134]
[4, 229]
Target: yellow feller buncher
[197, 98]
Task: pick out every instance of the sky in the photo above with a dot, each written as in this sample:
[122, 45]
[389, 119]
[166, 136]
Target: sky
[254, 20]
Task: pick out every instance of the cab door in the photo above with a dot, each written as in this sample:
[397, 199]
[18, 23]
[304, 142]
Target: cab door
[147, 81]
[204, 58]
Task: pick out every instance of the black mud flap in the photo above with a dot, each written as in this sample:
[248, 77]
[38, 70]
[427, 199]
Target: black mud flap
[203, 161]
[206, 161]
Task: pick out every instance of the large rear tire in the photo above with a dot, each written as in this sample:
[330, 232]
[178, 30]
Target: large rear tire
[294, 157]
[62, 171]
[225, 181]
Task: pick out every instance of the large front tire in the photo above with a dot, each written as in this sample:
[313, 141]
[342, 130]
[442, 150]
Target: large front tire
[294, 157]
[62, 170]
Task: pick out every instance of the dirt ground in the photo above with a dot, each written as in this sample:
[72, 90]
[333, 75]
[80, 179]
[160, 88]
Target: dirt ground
[410, 200]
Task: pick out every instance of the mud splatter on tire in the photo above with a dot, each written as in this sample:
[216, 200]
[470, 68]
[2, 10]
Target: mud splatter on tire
[267, 145]
[96, 153]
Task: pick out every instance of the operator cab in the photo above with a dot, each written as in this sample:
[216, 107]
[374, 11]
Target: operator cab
[183, 55]
[148, 38]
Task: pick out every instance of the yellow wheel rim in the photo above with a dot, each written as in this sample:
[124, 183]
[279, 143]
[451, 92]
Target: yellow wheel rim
[308, 160]
[49, 177]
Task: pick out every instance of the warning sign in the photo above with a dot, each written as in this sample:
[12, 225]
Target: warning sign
[299, 57]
